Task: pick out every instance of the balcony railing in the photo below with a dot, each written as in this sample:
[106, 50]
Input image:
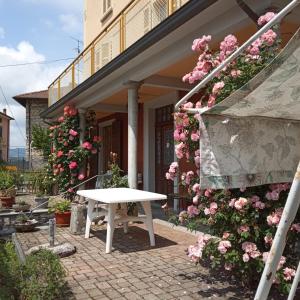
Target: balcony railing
[138, 18]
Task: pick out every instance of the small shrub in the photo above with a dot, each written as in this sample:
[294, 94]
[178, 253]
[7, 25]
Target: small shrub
[43, 277]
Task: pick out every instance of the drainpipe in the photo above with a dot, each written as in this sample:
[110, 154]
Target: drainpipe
[132, 87]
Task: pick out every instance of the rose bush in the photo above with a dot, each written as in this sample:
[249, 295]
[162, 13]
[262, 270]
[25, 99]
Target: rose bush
[241, 222]
[66, 162]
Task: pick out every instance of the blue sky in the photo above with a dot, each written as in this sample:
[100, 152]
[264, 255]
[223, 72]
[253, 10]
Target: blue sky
[35, 30]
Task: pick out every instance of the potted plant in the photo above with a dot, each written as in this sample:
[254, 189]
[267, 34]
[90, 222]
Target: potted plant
[24, 223]
[117, 180]
[62, 212]
[7, 189]
[21, 206]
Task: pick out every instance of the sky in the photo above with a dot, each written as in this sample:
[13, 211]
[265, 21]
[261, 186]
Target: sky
[30, 31]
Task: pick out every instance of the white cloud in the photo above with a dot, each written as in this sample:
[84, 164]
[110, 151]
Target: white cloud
[22, 79]
[2, 33]
[70, 23]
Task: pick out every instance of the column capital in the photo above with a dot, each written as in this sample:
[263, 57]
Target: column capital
[82, 110]
[132, 84]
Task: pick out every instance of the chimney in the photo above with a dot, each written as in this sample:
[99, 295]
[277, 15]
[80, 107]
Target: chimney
[4, 111]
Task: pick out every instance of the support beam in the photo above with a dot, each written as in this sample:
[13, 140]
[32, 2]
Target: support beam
[167, 82]
[132, 132]
[110, 108]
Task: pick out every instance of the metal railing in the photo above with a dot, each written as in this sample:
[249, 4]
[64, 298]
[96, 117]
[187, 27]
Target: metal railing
[233, 56]
[138, 18]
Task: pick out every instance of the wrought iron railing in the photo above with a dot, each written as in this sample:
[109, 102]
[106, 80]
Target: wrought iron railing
[138, 18]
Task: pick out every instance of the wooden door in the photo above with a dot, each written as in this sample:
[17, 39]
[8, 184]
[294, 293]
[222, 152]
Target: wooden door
[164, 148]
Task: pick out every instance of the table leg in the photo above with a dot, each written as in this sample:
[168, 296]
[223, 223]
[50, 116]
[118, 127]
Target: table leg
[110, 226]
[91, 205]
[149, 222]
[125, 224]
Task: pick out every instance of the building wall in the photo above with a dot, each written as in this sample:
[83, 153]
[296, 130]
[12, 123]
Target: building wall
[4, 139]
[94, 18]
[33, 109]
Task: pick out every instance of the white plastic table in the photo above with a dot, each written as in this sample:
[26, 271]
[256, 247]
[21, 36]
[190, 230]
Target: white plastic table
[113, 197]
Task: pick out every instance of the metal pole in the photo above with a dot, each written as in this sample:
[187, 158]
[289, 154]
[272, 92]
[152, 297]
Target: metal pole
[52, 225]
[288, 215]
[295, 284]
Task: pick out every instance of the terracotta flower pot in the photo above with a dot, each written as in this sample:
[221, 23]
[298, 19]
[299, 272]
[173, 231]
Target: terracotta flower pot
[7, 202]
[63, 219]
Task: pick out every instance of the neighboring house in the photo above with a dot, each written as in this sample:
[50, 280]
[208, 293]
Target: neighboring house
[34, 103]
[130, 71]
[4, 135]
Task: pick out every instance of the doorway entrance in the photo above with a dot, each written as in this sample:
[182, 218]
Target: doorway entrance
[164, 148]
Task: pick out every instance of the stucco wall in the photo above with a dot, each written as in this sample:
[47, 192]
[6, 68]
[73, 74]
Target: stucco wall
[93, 19]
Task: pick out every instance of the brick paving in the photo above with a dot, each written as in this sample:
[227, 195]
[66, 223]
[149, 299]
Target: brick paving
[134, 270]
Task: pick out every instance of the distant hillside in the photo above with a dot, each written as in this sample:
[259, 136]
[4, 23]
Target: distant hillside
[17, 152]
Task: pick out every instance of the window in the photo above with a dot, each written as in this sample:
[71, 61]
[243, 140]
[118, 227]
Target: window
[106, 5]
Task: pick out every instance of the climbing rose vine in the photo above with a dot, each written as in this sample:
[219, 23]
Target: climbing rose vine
[68, 160]
[241, 222]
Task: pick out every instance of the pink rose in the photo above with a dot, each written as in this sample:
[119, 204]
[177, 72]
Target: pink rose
[240, 203]
[288, 274]
[192, 211]
[81, 176]
[73, 132]
[59, 153]
[296, 227]
[246, 257]
[73, 165]
[224, 246]
[87, 145]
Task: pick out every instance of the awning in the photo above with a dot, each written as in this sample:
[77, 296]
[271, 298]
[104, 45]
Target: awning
[253, 136]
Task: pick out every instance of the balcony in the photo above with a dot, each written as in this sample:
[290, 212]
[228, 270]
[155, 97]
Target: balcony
[138, 18]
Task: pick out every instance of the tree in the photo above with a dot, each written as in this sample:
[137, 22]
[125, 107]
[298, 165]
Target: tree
[41, 140]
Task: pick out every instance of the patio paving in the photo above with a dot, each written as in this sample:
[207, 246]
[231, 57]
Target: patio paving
[134, 270]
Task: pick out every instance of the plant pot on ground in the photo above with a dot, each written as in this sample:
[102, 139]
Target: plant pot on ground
[7, 189]
[21, 206]
[25, 224]
[62, 212]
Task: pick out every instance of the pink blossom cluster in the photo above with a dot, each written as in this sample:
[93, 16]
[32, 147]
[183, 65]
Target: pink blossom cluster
[171, 174]
[296, 227]
[275, 217]
[70, 111]
[276, 189]
[224, 246]
[268, 239]
[213, 207]
[250, 250]
[192, 211]
[281, 261]
[195, 251]
[239, 204]
[227, 46]
[243, 228]
[256, 203]
[288, 274]
[268, 38]
[201, 44]
[266, 18]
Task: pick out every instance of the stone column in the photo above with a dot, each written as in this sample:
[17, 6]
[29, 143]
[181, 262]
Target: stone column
[132, 132]
[82, 125]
